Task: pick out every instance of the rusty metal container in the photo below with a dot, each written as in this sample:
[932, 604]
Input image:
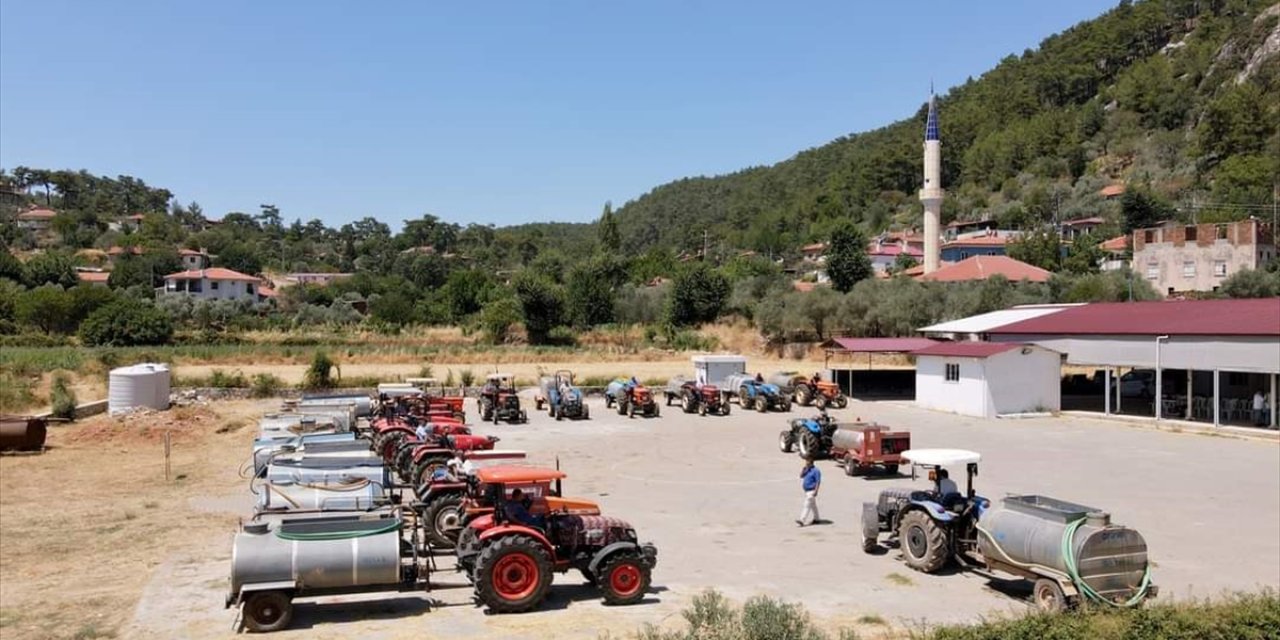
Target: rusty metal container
[22, 433]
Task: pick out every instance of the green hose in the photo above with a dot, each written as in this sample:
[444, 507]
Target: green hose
[1069, 557]
[394, 525]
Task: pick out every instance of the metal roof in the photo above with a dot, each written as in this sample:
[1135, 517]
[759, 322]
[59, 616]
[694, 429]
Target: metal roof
[968, 349]
[878, 345]
[1247, 317]
[985, 322]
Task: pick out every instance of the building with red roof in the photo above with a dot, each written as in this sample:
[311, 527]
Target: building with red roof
[988, 380]
[214, 284]
[36, 219]
[983, 267]
[94, 277]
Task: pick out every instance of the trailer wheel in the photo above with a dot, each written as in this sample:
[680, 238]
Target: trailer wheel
[623, 579]
[924, 543]
[444, 520]
[785, 442]
[267, 611]
[513, 574]
[851, 466]
[1048, 596]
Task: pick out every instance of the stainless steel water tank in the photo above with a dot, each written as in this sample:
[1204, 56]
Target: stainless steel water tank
[259, 553]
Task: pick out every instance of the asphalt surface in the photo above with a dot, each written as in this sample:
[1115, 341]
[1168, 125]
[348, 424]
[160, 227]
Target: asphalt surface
[720, 501]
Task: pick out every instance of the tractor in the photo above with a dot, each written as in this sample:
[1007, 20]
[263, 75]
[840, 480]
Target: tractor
[499, 400]
[509, 550]
[753, 392]
[810, 391]
[437, 399]
[427, 457]
[441, 495]
[1070, 552]
[693, 397]
[631, 398]
[563, 400]
[811, 437]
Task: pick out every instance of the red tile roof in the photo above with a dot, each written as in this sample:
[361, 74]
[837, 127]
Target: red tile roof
[983, 267]
[803, 286]
[892, 250]
[216, 273]
[1246, 317]
[913, 271]
[879, 345]
[1112, 190]
[38, 214]
[190, 252]
[967, 349]
[1117, 244]
[94, 277]
[117, 250]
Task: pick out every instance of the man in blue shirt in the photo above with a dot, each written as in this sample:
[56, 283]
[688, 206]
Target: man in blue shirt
[517, 510]
[810, 481]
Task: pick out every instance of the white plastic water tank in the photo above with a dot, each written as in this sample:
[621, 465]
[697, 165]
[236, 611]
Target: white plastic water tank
[140, 385]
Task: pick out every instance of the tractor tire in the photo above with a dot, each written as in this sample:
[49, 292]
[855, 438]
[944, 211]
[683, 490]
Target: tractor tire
[622, 407]
[267, 611]
[631, 410]
[808, 445]
[686, 403]
[786, 404]
[423, 469]
[1048, 596]
[820, 402]
[513, 574]
[702, 408]
[623, 579]
[891, 469]
[842, 401]
[762, 404]
[803, 397]
[744, 400]
[851, 467]
[444, 520]
[923, 542]
[786, 442]
[404, 463]
[557, 413]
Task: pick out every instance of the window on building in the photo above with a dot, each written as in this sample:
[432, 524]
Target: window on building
[195, 286]
[1191, 234]
[1153, 271]
[1188, 269]
[964, 254]
[249, 288]
[1149, 235]
[1220, 268]
[953, 372]
[213, 286]
[1222, 232]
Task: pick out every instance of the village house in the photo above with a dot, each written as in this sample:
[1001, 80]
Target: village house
[1177, 258]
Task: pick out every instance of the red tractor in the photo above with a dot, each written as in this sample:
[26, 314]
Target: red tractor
[499, 400]
[812, 391]
[511, 561]
[441, 495]
[428, 457]
[437, 399]
[631, 398]
[388, 434]
[693, 397]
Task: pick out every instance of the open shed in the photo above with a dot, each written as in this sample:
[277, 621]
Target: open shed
[844, 354]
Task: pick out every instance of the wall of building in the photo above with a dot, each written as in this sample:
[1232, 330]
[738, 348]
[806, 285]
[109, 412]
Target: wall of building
[1226, 353]
[1199, 257]
[1024, 382]
[967, 397]
[226, 290]
[958, 253]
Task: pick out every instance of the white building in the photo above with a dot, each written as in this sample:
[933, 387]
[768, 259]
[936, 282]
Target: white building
[213, 284]
[987, 380]
[194, 260]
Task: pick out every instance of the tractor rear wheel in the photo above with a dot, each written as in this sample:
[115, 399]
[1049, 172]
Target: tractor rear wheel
[623, 579]
[687, 404]
[513, 574]
[808, 444]
[786, 442]
[924, 543]
[423, 469]
[803, 396]
[267, 611]
[444, 520]
[1048, 596]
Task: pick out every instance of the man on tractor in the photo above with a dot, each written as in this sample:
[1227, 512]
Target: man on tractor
[517, 510]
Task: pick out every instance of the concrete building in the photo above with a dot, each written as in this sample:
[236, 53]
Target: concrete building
[1200, 360]
[1073, 229]
[38, 219]
[986, 379]
[1117, 253]
[988, 244]
[193, 260]
[884, 253]
[931, 194]
[1176, 258]
[213, 284]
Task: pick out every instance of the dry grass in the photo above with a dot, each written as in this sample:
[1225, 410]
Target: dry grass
[84, 523]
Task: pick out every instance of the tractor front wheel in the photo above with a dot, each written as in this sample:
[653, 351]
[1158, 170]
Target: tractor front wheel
[513, 574]
[631, 410]
[820, 402]
[842, 401]
[267, 611]
[762, 404]
[724, 409]
[622, 407]
[702, 408]
[444, 520]
[924, 543]
[786, 442]
[623, 579]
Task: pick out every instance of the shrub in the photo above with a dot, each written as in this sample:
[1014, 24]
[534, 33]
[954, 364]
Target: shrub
[467, 377]
[47, 308]
[319, 374]
[125, 323]
[498, 317]
[425, 371]
[62, 397]
[17, 392]
[266, 385]
[541, 305]
[698, 294]
[220, 379]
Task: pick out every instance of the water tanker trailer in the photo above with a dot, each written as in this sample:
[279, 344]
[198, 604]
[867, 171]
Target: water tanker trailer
[1070, 552]
[273, 562]
[327, 470]
[355, 495]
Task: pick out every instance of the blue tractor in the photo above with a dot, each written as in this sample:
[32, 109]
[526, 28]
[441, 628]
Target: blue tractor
[811, 437]
[562, 398]
[755, 393]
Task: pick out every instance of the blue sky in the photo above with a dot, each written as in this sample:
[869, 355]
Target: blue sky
[490, 112]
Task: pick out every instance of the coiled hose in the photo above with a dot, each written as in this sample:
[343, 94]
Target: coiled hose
[392, 525]
[1069, 557]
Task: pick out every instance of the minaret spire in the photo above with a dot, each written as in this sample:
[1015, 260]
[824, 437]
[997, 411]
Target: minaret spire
[931, 195]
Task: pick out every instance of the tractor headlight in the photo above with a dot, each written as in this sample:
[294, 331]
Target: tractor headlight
[630, 534]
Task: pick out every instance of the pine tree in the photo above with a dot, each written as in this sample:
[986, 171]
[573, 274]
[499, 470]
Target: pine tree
[610, 239]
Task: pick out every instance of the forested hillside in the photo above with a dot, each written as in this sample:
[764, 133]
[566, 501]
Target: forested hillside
[1182, 96]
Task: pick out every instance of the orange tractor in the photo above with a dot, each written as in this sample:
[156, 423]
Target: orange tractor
[810, 391]
[631, 398]
[509, 550]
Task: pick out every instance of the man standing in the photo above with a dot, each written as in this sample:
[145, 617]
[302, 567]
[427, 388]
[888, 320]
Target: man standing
[810, 481]
[1259, 404]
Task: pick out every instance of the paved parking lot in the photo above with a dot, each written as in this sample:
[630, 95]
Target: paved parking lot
[720, 500]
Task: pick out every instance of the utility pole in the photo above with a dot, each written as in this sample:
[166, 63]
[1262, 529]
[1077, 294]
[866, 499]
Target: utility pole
[704, 245]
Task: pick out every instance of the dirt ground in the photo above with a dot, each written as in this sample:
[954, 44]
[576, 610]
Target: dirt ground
[95, 542]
